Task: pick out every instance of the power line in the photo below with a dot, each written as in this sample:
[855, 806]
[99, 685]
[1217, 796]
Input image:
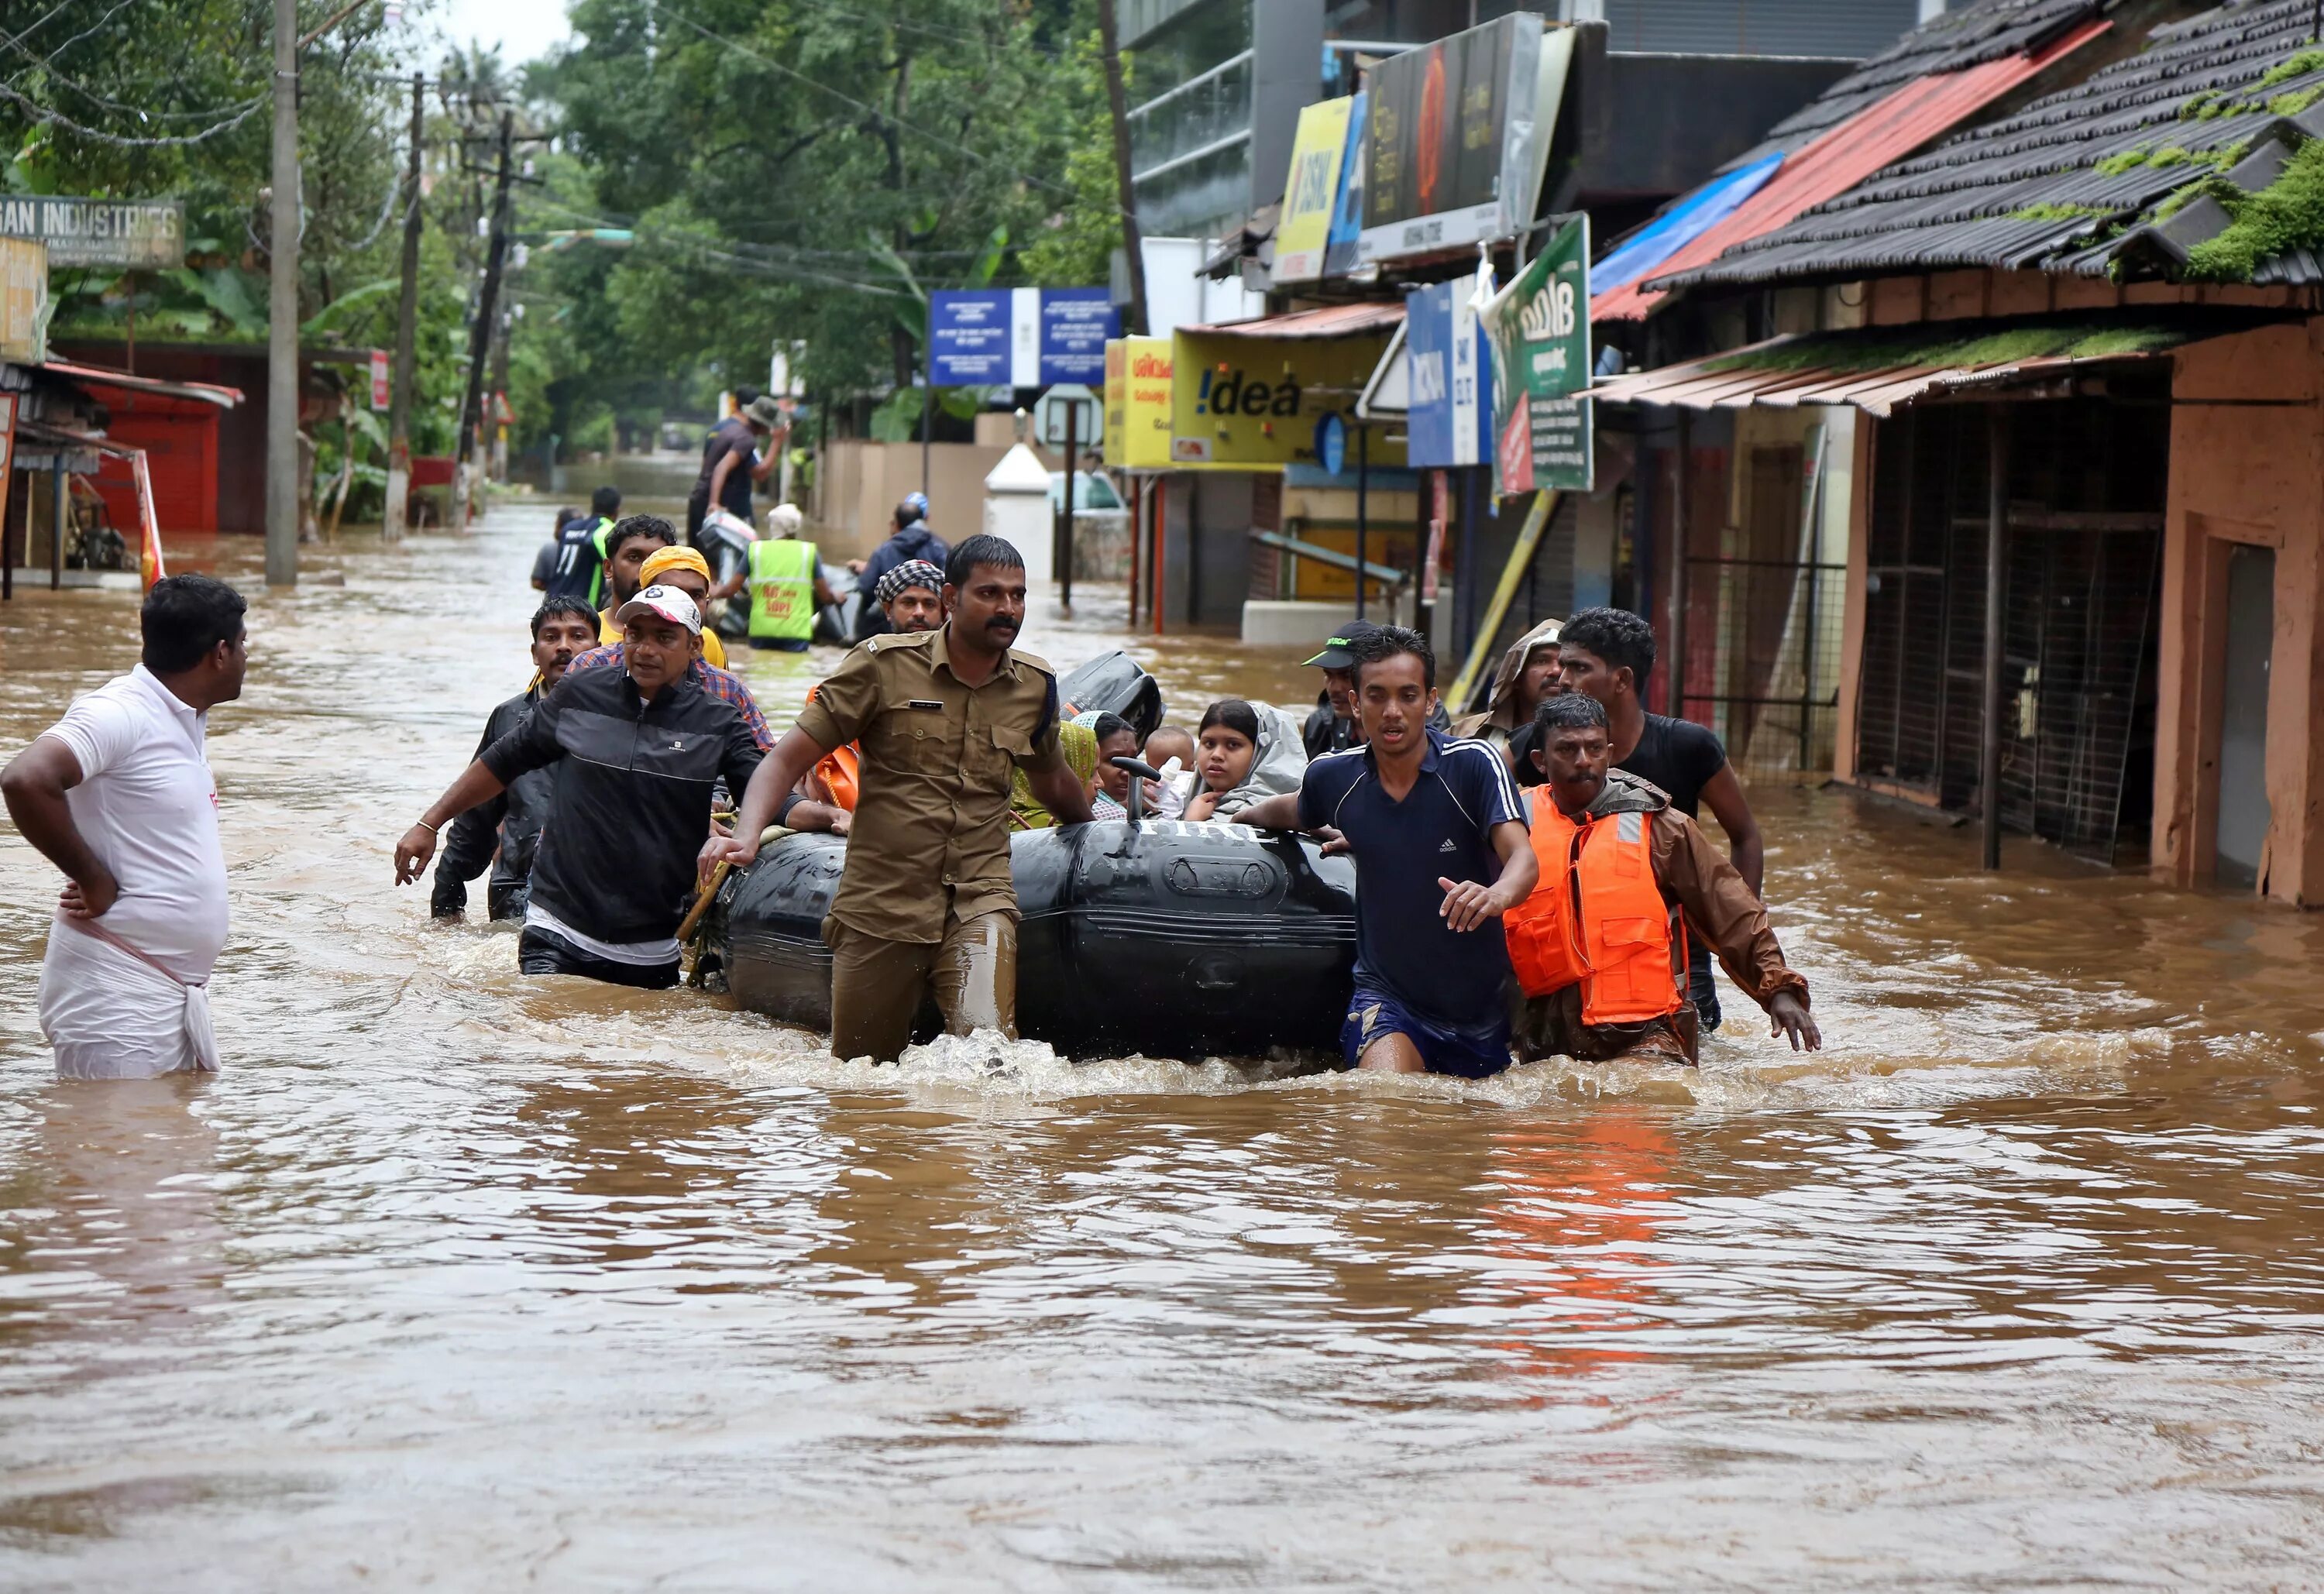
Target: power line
[40, 112]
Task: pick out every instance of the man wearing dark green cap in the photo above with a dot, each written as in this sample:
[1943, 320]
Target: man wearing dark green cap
[1333, 727]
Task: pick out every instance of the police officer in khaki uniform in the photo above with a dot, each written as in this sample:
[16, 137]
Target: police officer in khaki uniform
[926, 900]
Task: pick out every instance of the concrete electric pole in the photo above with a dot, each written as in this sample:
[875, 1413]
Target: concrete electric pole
[407, 316]
[480, 336]
[283, 393]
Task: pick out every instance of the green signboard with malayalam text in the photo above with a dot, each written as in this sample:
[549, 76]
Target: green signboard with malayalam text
[1539, 330]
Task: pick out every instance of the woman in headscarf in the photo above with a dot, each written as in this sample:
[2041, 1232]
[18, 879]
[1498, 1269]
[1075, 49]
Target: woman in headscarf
[1078, 742]
[1245, 753]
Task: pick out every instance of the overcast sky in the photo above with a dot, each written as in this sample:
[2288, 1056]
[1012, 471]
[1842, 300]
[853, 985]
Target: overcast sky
[523, 29]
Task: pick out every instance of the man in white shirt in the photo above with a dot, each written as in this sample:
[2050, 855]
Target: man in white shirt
[118, 794]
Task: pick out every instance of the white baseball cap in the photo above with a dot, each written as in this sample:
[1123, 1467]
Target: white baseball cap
[668, 601]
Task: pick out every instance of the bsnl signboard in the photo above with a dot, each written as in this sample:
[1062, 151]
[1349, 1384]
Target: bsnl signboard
[133, 235]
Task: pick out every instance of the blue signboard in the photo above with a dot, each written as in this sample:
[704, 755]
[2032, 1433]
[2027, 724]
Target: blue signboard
[1075, 325]
[1332, 443]
[1449, 424]
[1020, 336]
[970, 337]
[1348, 215]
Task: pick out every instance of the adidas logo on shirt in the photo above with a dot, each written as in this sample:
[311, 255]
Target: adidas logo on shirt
[1447, 846]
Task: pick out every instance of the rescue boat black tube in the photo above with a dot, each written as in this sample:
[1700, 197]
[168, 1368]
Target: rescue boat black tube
[1164, 938]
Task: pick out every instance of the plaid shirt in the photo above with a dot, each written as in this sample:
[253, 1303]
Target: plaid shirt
[717, 682]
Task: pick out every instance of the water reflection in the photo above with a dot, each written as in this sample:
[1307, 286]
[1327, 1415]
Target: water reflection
[458, 1278]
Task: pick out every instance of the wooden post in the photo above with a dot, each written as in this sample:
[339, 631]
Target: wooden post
[1682, 506]
[1363, 508]
[1996, 530]
[60, 514]
[1065, 542]
[1132, 247]
[282, 385]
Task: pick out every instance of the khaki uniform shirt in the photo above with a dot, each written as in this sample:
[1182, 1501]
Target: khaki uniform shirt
[931, 836]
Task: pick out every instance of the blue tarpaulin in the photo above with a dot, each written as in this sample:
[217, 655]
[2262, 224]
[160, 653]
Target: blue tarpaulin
[1680, 225]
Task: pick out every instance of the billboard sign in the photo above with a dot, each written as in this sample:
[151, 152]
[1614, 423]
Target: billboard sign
[24, 301]
[1450, 419]
[1138, 403]
[1348, 209]
[135, 235]
[1019, 336]
[1458, 137]
[1311, 191]
[1256, 403]
[1539, 329]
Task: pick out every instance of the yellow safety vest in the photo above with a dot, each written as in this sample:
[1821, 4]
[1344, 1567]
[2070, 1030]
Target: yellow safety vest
[782, 589]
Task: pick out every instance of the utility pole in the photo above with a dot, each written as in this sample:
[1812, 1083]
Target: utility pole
[480, 336]
[495, 434]
[407, 318]
[283, 393]
[1132, 248]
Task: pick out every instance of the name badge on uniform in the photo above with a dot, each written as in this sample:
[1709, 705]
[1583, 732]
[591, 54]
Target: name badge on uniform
[926, 702]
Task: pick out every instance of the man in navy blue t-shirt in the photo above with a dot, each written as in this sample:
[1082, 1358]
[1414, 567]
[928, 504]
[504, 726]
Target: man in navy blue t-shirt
[1439, 839]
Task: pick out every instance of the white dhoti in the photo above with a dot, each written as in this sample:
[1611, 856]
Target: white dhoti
[112, 1013]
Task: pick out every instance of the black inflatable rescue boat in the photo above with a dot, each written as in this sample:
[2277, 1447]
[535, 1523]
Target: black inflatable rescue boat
[1159, 937]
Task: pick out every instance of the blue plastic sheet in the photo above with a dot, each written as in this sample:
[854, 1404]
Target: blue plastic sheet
[1680, 225]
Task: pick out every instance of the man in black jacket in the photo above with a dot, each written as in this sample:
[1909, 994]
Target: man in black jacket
[500, 833]
[636, 753]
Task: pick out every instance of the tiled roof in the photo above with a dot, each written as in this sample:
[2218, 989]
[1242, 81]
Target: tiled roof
[2071, 183]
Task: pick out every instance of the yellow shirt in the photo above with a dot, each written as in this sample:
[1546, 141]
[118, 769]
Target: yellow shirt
[714, 651]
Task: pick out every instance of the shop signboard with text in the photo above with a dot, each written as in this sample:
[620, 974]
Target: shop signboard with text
[1254, 403]
[1312, 190]
[1019, 336]
[1449, 421]
[1457, 137]
[1539, 330]
[1138, 403]
[134, 235]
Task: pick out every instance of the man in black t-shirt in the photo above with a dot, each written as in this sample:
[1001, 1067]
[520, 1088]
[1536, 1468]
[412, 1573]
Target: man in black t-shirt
[732, 461]
[1608, 653]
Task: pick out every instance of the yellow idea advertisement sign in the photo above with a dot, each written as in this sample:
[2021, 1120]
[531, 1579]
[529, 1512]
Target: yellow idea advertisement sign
[1254, 403]
[1138, 403]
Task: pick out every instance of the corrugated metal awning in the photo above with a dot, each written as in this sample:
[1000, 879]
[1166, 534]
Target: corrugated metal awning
[225, 398]
[1330, 321]
[1879, 373]
[1914, 115]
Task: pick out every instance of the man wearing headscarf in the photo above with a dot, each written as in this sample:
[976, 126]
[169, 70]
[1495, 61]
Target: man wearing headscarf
[686, 569]
[911, 597]
[1527, 673]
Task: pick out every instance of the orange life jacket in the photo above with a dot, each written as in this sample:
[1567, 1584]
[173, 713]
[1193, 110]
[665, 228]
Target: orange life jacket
[840, 770]
[1596, 918]
[837, 770]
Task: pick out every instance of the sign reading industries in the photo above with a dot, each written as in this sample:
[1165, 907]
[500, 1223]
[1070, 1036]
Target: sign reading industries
[1253, 404]
[1539, 329]
[1458, 137]
[135, 234]
[1312, 190]
[1450, 421]
[1019, 336]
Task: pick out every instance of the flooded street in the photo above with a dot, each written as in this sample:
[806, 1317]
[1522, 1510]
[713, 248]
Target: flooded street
[459, 1279]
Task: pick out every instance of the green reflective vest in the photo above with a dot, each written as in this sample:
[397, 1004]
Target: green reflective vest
[782, 589]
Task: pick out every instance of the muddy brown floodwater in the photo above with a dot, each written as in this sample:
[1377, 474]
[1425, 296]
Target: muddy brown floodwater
[457, 1279]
